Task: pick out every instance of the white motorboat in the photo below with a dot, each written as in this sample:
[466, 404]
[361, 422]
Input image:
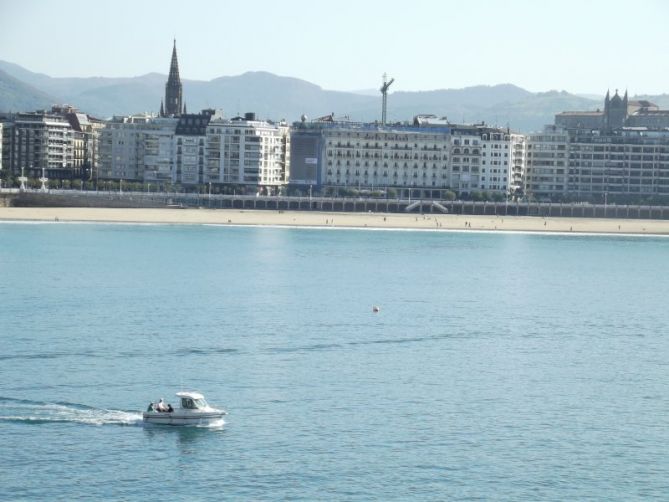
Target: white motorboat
[193, 410]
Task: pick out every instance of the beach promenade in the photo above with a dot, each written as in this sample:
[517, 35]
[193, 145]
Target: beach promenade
[337, 220]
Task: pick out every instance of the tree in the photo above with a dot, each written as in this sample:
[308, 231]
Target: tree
[498, 197]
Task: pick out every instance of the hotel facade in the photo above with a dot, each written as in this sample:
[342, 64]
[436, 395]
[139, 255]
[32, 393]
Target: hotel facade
[430, 155]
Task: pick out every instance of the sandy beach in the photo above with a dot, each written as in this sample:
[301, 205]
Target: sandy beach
[338, 220]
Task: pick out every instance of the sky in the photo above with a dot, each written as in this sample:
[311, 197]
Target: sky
[579, 46]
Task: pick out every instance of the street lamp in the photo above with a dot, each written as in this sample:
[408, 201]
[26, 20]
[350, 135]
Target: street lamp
[23, 180]
[44, 180]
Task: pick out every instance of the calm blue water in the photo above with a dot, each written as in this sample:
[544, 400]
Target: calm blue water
[516, 367]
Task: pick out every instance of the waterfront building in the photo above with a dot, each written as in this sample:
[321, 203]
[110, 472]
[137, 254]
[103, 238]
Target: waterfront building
[127, 143]
[486, 159]
[630, 161]
[247, 151]
[62, 142]
[430, 154]
[40, 140]
[195, 149]
[620, 151]
[154, 154]
[546, 168]
[1, 148]
[87, 140]
[190, 137]
[329, 154]
[161, 150]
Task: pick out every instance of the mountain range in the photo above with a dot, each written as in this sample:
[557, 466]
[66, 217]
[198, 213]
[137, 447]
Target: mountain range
[276, 97]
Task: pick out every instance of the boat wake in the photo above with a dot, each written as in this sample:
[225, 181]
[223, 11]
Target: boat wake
[37, 412]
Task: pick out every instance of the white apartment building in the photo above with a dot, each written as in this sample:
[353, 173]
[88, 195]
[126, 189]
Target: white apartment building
[194, 149]
[547, 164]
[189, 159]
[503, 161]
[155, 151]
[131, 147]
[465, 173]
[246, 151]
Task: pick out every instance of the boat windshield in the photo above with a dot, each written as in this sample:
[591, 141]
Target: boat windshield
[193, 404]
[200, 403]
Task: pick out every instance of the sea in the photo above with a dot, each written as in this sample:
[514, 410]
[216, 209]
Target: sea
[498, 367]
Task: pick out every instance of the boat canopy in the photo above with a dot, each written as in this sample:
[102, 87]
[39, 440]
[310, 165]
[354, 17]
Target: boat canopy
[192, 395]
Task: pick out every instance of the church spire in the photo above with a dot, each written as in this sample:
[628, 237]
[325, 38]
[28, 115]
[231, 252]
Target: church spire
[173, 88]
[174, 64]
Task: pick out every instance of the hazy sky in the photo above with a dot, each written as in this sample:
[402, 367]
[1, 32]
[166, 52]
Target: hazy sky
[580, 46]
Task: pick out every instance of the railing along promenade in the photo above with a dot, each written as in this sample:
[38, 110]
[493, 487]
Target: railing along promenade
[75, 198]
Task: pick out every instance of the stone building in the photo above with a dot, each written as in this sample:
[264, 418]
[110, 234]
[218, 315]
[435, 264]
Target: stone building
[618, 112]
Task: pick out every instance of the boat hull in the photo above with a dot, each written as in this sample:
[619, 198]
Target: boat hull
[176, 418]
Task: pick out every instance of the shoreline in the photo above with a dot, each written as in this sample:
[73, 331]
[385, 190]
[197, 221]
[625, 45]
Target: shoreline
[341, 220]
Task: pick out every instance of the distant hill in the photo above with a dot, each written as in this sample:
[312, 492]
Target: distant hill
[16, 95]
[277, 97]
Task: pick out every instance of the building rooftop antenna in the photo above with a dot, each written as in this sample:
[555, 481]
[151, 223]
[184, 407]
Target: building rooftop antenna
[384, 93]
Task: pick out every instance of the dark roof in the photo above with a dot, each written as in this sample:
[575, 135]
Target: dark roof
[193, 124]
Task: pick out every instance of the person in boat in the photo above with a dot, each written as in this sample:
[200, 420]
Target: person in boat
[169, 408]
[161, 405]
[150, 408]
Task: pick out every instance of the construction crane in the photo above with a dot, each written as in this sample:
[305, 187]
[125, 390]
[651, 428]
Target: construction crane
[384, 93]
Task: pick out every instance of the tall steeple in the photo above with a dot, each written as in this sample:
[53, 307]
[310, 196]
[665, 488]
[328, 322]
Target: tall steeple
[173, 88]
[625, 102]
